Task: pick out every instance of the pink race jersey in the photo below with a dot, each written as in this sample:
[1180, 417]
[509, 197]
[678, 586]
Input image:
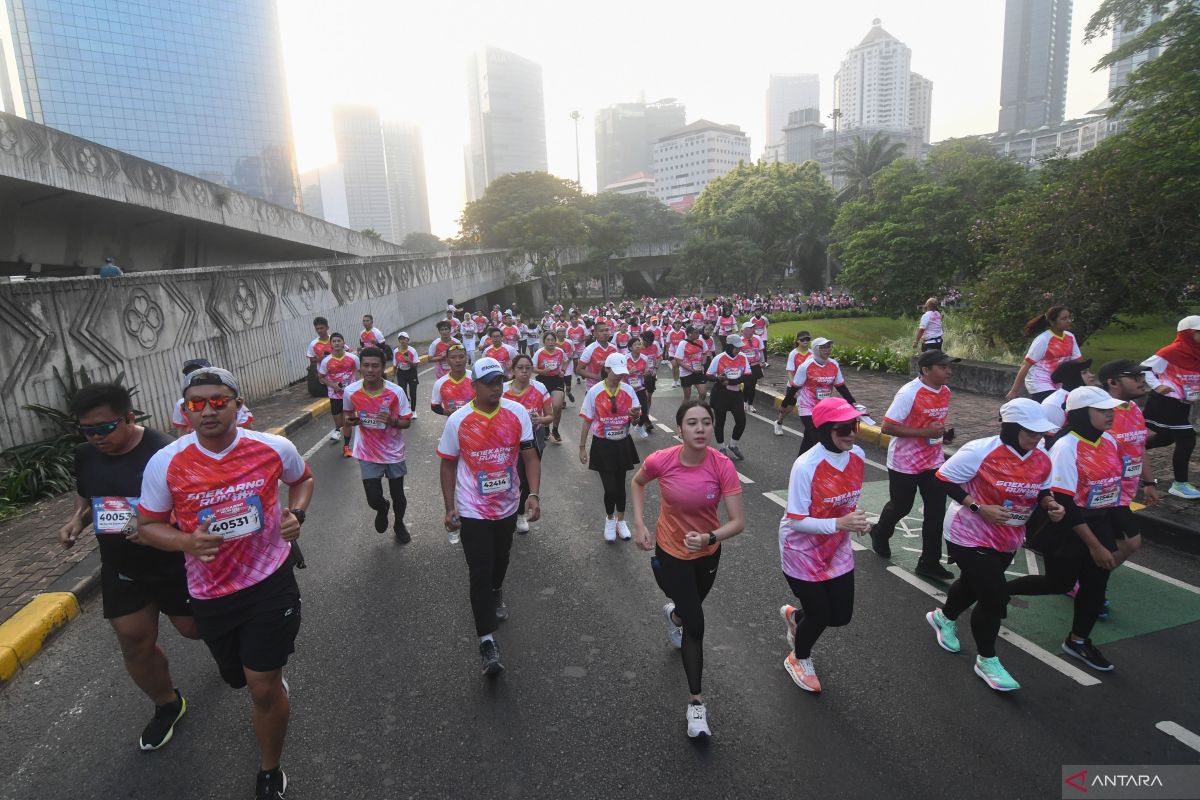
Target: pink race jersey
[342, 370]
[535, 399]
[823, 486]
[816, 382]
[452, 394]
[437, 354]
[237, 493]
[917, 406]
[374, 440]
[1129, 429]
[486, 447]
[1046, 352]
[610, 413]
[1088, 471]
[690, 496]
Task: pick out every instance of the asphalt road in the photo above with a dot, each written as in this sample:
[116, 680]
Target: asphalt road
[388, 700]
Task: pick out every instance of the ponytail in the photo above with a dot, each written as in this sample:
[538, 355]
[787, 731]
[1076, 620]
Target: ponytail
[1042, 321]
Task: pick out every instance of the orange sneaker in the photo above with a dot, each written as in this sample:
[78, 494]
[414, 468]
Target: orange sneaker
[803, 673]
[345, 451]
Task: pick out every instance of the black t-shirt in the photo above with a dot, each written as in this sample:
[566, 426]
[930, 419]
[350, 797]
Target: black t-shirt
[112, 485]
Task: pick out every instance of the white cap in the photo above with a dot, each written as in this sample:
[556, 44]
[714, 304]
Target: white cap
[747, 325]
[617, 364]
[1026, 413]
[1191, 323]
[486, 368]
[1090, 397]
[403, 335]
[819, 341]
[734, 340]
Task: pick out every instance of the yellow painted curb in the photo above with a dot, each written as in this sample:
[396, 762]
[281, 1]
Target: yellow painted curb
[23, 634]
[314, 409]
[8, 663]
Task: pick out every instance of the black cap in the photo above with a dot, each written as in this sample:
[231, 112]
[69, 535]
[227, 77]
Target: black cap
[931, 358]
[1071, 372]
[1117, 369]
[193, 364]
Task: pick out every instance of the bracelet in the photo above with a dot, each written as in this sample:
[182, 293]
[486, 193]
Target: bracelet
[534, 494]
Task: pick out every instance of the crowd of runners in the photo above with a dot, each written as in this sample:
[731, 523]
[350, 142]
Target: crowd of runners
[198, 528]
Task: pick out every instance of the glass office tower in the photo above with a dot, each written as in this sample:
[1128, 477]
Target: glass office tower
[194, 85]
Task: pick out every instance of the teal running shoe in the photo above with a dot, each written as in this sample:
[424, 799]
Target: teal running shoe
[947, 633]
[994, 674]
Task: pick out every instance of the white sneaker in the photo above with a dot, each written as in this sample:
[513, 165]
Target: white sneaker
[674, 632]
[623, 530]
[643, 433]
[334, 435]
[1185, 490]
[610, 530]
[697, 719]
[778, 428]
[522, 524]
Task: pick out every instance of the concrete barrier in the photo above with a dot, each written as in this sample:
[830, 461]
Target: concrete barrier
[981, 377]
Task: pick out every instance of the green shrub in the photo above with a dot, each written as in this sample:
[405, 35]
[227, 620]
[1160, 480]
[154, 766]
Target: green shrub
[832, 313]
[880, 359]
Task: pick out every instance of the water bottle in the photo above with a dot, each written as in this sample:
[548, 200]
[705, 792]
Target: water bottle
[860, 408]
[453, 537]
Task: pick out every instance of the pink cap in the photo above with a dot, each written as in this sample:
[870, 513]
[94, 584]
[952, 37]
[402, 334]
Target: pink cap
[834, 409]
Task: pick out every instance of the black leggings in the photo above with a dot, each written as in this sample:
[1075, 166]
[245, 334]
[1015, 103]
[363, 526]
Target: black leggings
[374, 490]
[687, 582]
[406, 379]
[810, 433]
[823, 604]
[724, 401]
[1185, 443]
[981, 581]
[644, 421]
[613, 482]
[486, 544]
[750, 384]
[932, 344]
[902, 493]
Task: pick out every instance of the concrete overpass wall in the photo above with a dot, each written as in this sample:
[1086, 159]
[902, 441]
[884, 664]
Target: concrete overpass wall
[254, 320]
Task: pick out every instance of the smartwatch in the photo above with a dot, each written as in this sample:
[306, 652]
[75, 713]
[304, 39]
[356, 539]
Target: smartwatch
[974, 508]
[1150, 483]
[712, 539]
[299, 514]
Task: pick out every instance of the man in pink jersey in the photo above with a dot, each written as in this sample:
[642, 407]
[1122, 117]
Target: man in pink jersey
[214, 496]
[1126, 381]
[479, 449]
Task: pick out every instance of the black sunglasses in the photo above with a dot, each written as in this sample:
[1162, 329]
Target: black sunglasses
[101, 430]
[846, 428]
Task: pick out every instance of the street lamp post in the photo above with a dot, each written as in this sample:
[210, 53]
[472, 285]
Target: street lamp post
[575, 115]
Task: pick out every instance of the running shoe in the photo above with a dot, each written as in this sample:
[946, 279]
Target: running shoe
[571, 398]
[934, 570]
[401, 532]
[1087, 652]
[994, 674]
[643, 433]
[554, 437]
[381, 518]
[735, 452]
[271, 784]
[489, 654]
[1185, 490]
[161, 727]
[522, 523]
[623, 531]
[346, 451]
[947, 632]
[697, 719]
[501, 606]
[610, 530]
[803, 673]
[1074, 590]
[334, 435]
[879, 543]
[789, 617]
[674, 632]
[779, 429]
[749, 408]
[1105, 610]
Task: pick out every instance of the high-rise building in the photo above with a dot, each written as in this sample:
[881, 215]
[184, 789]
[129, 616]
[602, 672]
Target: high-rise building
[871, 86]
[324, 192]
[802, 133]
[625, 137]
[787, 93]
[507, 118]
[687, 160]
[1033, 76]
[359, 139]
[1118, 73]
[920, 104]
[195, 86]
[406, 178]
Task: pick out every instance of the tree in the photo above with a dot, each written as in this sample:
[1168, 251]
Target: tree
[371, 233]
[421, 242]
[541, 234]
[511, 196]
[860, 160]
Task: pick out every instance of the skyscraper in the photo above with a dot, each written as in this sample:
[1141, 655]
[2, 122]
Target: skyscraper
[359, 138]
[687, 160]
[507, 118]
[406, 178]
[195, 86]
[1118, 73]
[787, 93]
[625, 137]
[1033, 77]
[920, 104]
[871, 87]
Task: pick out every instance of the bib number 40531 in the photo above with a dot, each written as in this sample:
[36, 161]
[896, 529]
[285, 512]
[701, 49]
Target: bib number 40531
[234, 519]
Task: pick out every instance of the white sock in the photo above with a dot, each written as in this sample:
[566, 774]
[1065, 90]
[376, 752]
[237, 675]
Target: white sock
[488, 638]
[733, 442]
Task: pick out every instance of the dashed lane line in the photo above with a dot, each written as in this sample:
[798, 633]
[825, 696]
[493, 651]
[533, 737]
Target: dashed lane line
[1164, 578]
[1177, 731]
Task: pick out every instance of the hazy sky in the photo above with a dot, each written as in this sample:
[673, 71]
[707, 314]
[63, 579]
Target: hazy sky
[409, 60]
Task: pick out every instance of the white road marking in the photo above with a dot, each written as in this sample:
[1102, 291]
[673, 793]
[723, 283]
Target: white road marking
[324, 440]
[1174, 729]
[664, 428]
[1031, 562]
[1164, 578]
[1016, 640]
[744, 479]
[776, 499]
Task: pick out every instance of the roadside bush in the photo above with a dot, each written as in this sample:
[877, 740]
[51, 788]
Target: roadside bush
[880, 359]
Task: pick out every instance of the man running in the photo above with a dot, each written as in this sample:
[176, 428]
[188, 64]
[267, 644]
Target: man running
[688, 358]
[378, 411]
[479, 448]
[500, 351]
[406, 361]
[136, 582]
[214, 496]
[179, 420]
[338, 370]
[590, 363]
[453, 390]
[1126, 381]
[438, 348]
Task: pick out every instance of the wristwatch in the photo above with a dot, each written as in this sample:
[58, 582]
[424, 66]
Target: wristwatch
[299, 514]
[712, 539]
[1150, 483]
[974, 508]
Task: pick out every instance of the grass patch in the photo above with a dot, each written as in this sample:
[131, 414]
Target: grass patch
[847, 333]
[1135, 338]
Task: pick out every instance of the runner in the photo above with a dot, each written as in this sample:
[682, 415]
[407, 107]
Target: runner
[995, 484]
[675, 337]
[916, 421]
[179, 420]
[338, 370]
[929, 329]
[536, 399]
[469, 332]
[453, 390]
[1087, 469]
[638, 366]
[214, 496]
[407, 362]
[688, 359]
[730, 370]
[370, 336]
[317, 349]
[814, 535]
[590, 362]
[608, 409]
[1053, 343]
[479, 448]
[654, 354]
[754, 348]
[1068, 375]
[816, 379]
[795, 358]
[1125, 381]
[693, 480]
[1174, 378]
[550, 363]
[438, 348]
[136, 582]
[378, 411]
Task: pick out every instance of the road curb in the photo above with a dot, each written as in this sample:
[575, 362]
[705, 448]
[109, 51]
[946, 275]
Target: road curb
[310, 412]
[872, 434]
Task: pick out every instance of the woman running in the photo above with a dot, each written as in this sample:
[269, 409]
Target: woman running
[929, 329]
[608, 409]
[817, 377]
[536, 399]
[995, 484]
[730, 370]
[550, 363]
[693, 480]
[814, 535]
[1053, 343]
[638, 366]
[795, 358]
[754, 348]
[1174, 379]
[652, 350]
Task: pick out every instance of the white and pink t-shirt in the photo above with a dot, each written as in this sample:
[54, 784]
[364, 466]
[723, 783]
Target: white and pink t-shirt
[995, 475]
[592, 359]
[1184, 384]
[752, 348]
[437, 354]
[452, 394]
[504, 354]
[550, 362]
[823, 487]
[342, 370]
[373, 440]
[794, 360]
[1129, 429]
[816, 382]
[610, 413]
[1046, 352]
[931, 323]
[690, 496]
[725, 325]
[690, 356]
[731, 368]
[535, 399]
[638, 367]
[486, 447]
[237, 492]
[1088, 471]
[406, 358]
[917, 406]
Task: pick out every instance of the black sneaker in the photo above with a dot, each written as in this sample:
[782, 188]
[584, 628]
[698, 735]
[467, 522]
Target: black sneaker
[489, 653]
[381, 518]
[402, 534]
[879, 543]
[934, 570]
[501, 607]
[271, 784]
[161, 727]
[1087, 652]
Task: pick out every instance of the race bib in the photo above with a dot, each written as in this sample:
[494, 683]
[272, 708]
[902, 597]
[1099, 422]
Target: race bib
[733, 374]
[112, 514]
[614, 430]
[636, 382]
[1103, 494]
[1017, 515]
[235, 519]
[1191, 392]
[454, 405]
[495, 482]
[933, 442]
[1131, 467]
[375, 422]
[823, 392]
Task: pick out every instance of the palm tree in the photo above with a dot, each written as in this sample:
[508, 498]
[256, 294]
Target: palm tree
[858, 162]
